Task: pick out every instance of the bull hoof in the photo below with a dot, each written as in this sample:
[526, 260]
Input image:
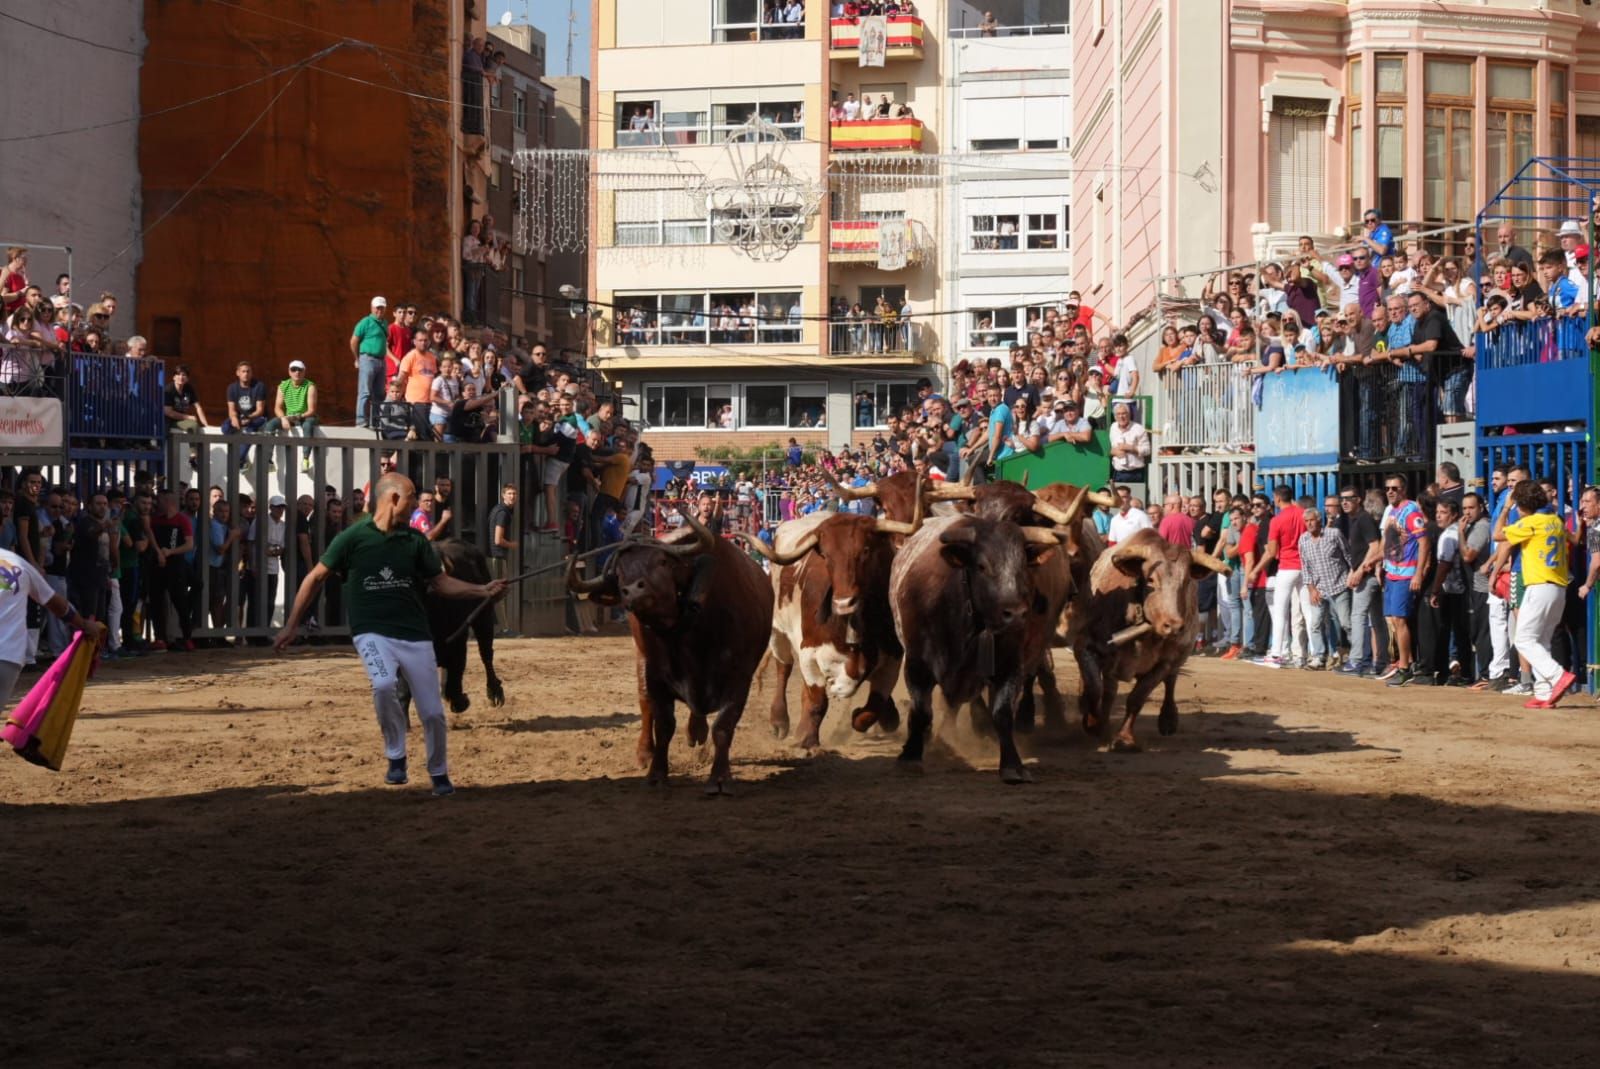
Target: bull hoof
[1015, 776]
[1093, 725]
[719, 788]
[863, 718]
[909, 765]
[460, 703]
[1121, 745]
[811, 743]
[699, 730]
[656, 778]
[643, 757]
[497, 695]
[780, 729]
[1167, 722]
[889, 720]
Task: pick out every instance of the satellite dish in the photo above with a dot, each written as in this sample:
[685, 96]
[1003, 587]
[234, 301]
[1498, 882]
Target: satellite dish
[505, 18]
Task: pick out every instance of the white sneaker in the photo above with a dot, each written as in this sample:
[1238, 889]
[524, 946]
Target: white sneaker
[1519, 689]
[1267, 662]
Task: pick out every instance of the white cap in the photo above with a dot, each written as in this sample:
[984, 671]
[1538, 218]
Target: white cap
[297, 365]
[277, 502]
[379, 301]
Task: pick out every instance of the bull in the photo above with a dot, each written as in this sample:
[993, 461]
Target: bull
[830, 579]
[1137, 625]
[975, 602]
[468, 563]
[698, 611]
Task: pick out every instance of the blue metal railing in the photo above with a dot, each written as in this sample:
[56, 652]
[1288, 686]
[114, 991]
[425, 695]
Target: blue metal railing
[1536, 341]
[116, 397]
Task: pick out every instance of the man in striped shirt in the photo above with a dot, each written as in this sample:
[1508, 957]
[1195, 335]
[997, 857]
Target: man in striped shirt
[1324, 578]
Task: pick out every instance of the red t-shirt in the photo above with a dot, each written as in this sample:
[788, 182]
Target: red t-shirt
[1085, 318]
[1177, 529]
[399, 346]
[1248, 543]
[1286, 528]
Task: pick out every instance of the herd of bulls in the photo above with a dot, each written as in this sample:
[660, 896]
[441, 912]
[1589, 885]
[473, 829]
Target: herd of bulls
[963, 588]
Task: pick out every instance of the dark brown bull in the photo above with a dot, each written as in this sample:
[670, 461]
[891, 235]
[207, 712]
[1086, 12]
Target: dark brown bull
[975, 604]
[1137, 626]
[697, 610]
[830, 577]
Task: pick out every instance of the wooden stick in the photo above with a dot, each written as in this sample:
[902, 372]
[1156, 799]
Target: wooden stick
[1128, 634]
[562, 563]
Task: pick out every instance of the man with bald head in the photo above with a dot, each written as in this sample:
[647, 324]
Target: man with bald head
[386, 566]
[1176, 526]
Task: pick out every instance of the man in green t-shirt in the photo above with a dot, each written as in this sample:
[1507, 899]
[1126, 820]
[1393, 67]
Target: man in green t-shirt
[386, 566]
[369, 342]
[296, 405]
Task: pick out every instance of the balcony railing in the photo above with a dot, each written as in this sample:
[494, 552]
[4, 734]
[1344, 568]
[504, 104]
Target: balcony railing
[859, 240]
[1534, 372]
[878, 135]
[1207, 406]
[112, 397]
[871, 338]
[1043, 29]
[905, 38]
[1534, 341]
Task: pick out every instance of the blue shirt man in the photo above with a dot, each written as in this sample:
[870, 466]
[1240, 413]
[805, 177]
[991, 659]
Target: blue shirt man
[1378, 233]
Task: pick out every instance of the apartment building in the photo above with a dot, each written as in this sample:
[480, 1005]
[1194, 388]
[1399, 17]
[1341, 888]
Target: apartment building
[1010, 111]
[720, 349]
[521, 116]
[569, 130]
[1209, 133]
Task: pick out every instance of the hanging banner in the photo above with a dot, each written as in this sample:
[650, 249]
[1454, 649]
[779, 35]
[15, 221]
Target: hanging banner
[874, 40]
[30, 423]
[891, 245]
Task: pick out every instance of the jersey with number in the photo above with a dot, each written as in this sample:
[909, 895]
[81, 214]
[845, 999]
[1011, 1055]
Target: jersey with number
[1543, 539]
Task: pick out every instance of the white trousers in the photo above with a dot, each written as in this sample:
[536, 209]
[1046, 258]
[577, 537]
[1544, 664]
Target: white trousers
[1499, 636]
[114, 616]
[388, 660]
[1536, 623]
[1285, 600]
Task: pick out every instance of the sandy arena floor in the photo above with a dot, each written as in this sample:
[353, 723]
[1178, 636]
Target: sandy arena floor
[1314, 872]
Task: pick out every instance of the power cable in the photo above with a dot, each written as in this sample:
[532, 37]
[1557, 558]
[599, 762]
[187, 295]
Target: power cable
[113, 48]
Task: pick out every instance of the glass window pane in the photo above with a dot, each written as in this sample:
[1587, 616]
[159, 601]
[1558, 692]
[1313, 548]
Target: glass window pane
[1510, 82]
[1391, 72]
[1461, 206]
[1353, 84]
[1433, 167]
[765, 406]
[1357, 164]
[1391, 142]
[808, 406]
[1558, 86]
[719, 407]
[1448, 77]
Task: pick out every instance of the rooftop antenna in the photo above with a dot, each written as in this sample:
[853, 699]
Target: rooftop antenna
[572, 32]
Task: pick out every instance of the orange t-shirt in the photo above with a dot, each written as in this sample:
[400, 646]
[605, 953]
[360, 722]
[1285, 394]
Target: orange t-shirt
[419, 368]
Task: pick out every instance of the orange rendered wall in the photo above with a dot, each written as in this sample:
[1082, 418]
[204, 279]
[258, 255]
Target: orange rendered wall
[339, 194]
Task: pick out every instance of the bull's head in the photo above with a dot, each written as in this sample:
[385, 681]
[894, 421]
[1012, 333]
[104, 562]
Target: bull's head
[844, 542]
[647, 577]
[996, 558]
[1166, 575]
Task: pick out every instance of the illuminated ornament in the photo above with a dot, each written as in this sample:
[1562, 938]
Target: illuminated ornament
[764, 209]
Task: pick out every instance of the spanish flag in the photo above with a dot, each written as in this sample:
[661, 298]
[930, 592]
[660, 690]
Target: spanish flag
[41, 725]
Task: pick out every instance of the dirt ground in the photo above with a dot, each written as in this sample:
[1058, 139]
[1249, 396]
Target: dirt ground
[1314, 872]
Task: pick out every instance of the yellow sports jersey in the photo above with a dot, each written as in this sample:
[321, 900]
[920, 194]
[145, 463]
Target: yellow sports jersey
[1544, 548]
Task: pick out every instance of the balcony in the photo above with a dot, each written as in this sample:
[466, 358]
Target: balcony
[875, 342]
[1207, 407]
[859, 241]
[1533, 372]
[905, 38]
[877, 135]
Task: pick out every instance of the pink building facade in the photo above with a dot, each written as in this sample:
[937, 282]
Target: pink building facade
[1215, 132]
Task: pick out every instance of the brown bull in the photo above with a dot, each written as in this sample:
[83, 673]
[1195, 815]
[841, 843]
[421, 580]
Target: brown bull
[697, 610]
[830, 577]
[975, 602]
[1137, 625]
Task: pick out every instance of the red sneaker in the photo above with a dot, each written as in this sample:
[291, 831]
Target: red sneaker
[1562, 686]
[158, 646]
[1232, 654]
[1535, 703]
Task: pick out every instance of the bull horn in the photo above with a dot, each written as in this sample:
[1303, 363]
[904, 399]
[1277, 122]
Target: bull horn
[1206, 560]
[702, 544]
[849, 493]
[1133, 551]
[772, 556]
[586, 586]
[1059, 517]
[961, 491]
[1025, 477]
[967, 473]
[1044, 536]
[895, 526]
[1097, 498]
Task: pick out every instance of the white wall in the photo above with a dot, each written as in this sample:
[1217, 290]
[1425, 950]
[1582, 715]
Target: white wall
[78, 189]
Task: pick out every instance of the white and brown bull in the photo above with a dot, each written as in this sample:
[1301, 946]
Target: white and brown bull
[1137, 625]
[831, 617]
[976, 602]
[698, 610]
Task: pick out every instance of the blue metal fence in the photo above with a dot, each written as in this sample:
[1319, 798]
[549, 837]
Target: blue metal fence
[116, 397]
[1536, 341]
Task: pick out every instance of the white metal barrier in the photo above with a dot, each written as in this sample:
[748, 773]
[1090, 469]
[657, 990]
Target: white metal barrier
[1207, 406]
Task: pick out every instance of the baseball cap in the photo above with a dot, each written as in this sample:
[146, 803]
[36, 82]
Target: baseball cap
[297, 365]
[1580, 252]
[277, 502]
[1345, 261]
[1068, 403]
[1571, 226]
[377, 301]
[1061, 406]
[965, 402]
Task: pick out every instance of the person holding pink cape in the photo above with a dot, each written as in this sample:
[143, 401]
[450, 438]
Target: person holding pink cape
[20, 583]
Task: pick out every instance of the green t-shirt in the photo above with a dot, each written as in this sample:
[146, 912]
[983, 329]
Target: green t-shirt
[372, 337]
[133, 525]
[384, 574]
[294, 396]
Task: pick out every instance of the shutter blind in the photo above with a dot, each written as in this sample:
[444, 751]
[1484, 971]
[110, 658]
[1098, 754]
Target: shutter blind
[1297, 160]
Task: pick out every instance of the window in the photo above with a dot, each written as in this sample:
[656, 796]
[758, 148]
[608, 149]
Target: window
[1295, 166]
[543, 129]
[753, 20]
[998, 328]
[1511, 81]
[787, 115]
[1589, 137]
[1447, 141]
[519, 275]
[874, 402]
[1352, 85]
[792, 406]
[1509, 123]
[994, 232]
[994, 144]
[1391, 76]
[689, 407]
[660, 217]
[1358, 174]
[1390, 72]
[1007, 232]
[519, 110]
[733, 317]
[494, 91]
[1558, 112]
[494, 174]
[645, 122]
[1008, 124]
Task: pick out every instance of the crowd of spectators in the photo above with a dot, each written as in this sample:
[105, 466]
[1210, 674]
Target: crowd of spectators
[39, 333]
[855, 9]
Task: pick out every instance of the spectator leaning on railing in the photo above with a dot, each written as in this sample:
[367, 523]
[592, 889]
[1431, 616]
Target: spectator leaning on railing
[369, 344]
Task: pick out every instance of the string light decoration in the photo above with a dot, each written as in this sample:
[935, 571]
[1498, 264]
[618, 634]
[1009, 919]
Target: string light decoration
[764, 209]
